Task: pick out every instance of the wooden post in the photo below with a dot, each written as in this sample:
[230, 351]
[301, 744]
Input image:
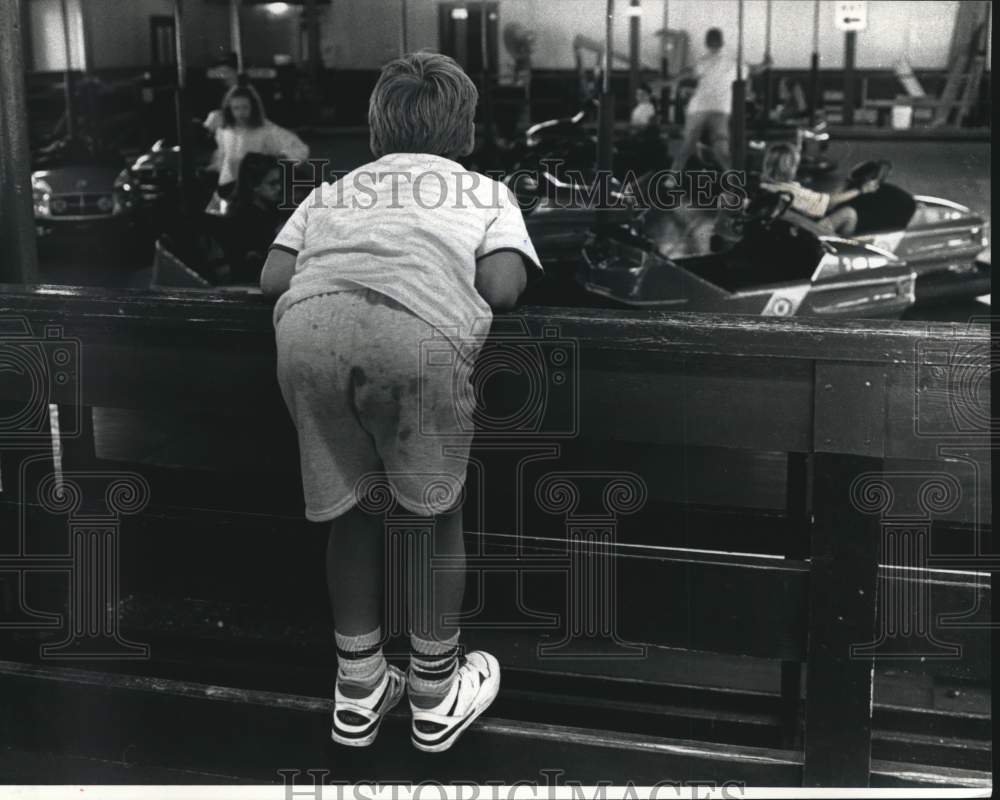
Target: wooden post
[312, 34]
[236, 33]
[814, 98]
[850, 48]
[634, 21]
[739, 113]
[850, 490]
[18, 256]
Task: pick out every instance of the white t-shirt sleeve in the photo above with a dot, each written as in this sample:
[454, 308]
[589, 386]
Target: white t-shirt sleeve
[507, 231]
[292, 237]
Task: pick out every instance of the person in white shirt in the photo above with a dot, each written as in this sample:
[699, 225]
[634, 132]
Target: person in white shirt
[387, 278]
[781, 163]
[644, 113]
[246, 129]
[709, 109]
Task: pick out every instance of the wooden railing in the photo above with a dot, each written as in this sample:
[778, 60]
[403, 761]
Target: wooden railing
[882, 429]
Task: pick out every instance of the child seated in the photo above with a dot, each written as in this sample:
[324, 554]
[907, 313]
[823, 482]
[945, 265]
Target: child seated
[781, 163]
[253, 217]
[406, 251]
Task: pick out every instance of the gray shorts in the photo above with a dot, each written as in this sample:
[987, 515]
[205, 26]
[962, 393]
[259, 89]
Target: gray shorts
[376, 394]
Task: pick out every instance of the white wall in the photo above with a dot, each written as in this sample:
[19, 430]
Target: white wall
[363, 34]
[918, 29]
[48, 43]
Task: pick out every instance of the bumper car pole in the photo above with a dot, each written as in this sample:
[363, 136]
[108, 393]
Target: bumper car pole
[18, 255]
[814, 103]
[739, 115]
[184, 172]
[606, 125]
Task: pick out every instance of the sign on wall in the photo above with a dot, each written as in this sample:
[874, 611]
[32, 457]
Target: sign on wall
[851, 16]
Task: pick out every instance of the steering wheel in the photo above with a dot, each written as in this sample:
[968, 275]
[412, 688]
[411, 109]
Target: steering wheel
[764, 209]
[868, 171]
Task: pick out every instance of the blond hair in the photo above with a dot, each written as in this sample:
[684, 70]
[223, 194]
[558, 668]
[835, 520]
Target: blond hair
[422, 103]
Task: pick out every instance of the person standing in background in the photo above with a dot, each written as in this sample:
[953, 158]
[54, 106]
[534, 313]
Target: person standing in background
[710, 108]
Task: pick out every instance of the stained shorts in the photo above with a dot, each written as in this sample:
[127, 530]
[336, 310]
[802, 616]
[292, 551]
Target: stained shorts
[376, 395]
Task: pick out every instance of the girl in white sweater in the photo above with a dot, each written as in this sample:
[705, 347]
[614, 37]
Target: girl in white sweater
[246, 129]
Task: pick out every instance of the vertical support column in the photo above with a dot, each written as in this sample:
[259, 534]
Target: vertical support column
[850, 50]
[403, 29]
[489, 130]
[18, 255]
[796, 546]
[315, 56]
[739, 115]
[634, 22]
[69, 85]
[606, 119]
[842, 593]
[814, 98]
[184, 171]
[460, 32]
[236, 33]
[768, 88]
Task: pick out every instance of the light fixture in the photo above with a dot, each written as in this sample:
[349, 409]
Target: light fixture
[460, 13]
[633, 11]
[277, 9]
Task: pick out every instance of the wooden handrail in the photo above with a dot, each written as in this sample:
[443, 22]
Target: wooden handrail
[843, 396]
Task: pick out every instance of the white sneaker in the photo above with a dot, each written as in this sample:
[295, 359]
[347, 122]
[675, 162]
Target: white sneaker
[473, 688]
[356, 720]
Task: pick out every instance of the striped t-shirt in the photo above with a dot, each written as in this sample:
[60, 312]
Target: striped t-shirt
[411, 226]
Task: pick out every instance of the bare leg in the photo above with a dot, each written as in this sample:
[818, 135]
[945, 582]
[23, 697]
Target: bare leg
[355, 571]
[444, 588]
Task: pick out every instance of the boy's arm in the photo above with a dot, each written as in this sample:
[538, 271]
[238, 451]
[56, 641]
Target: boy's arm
[277, 273]
[501, 277]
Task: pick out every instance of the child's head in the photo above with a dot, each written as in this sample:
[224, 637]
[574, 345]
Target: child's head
[713, 39]
[781, 162]
[423, 103]
[242, 106]
[259, 182]
[643, 93]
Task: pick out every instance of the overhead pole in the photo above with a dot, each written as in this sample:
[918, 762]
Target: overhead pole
[634, 21]
[814, 100]
[236, 33]
[739, 113]
[606, 127]
[18, 253]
